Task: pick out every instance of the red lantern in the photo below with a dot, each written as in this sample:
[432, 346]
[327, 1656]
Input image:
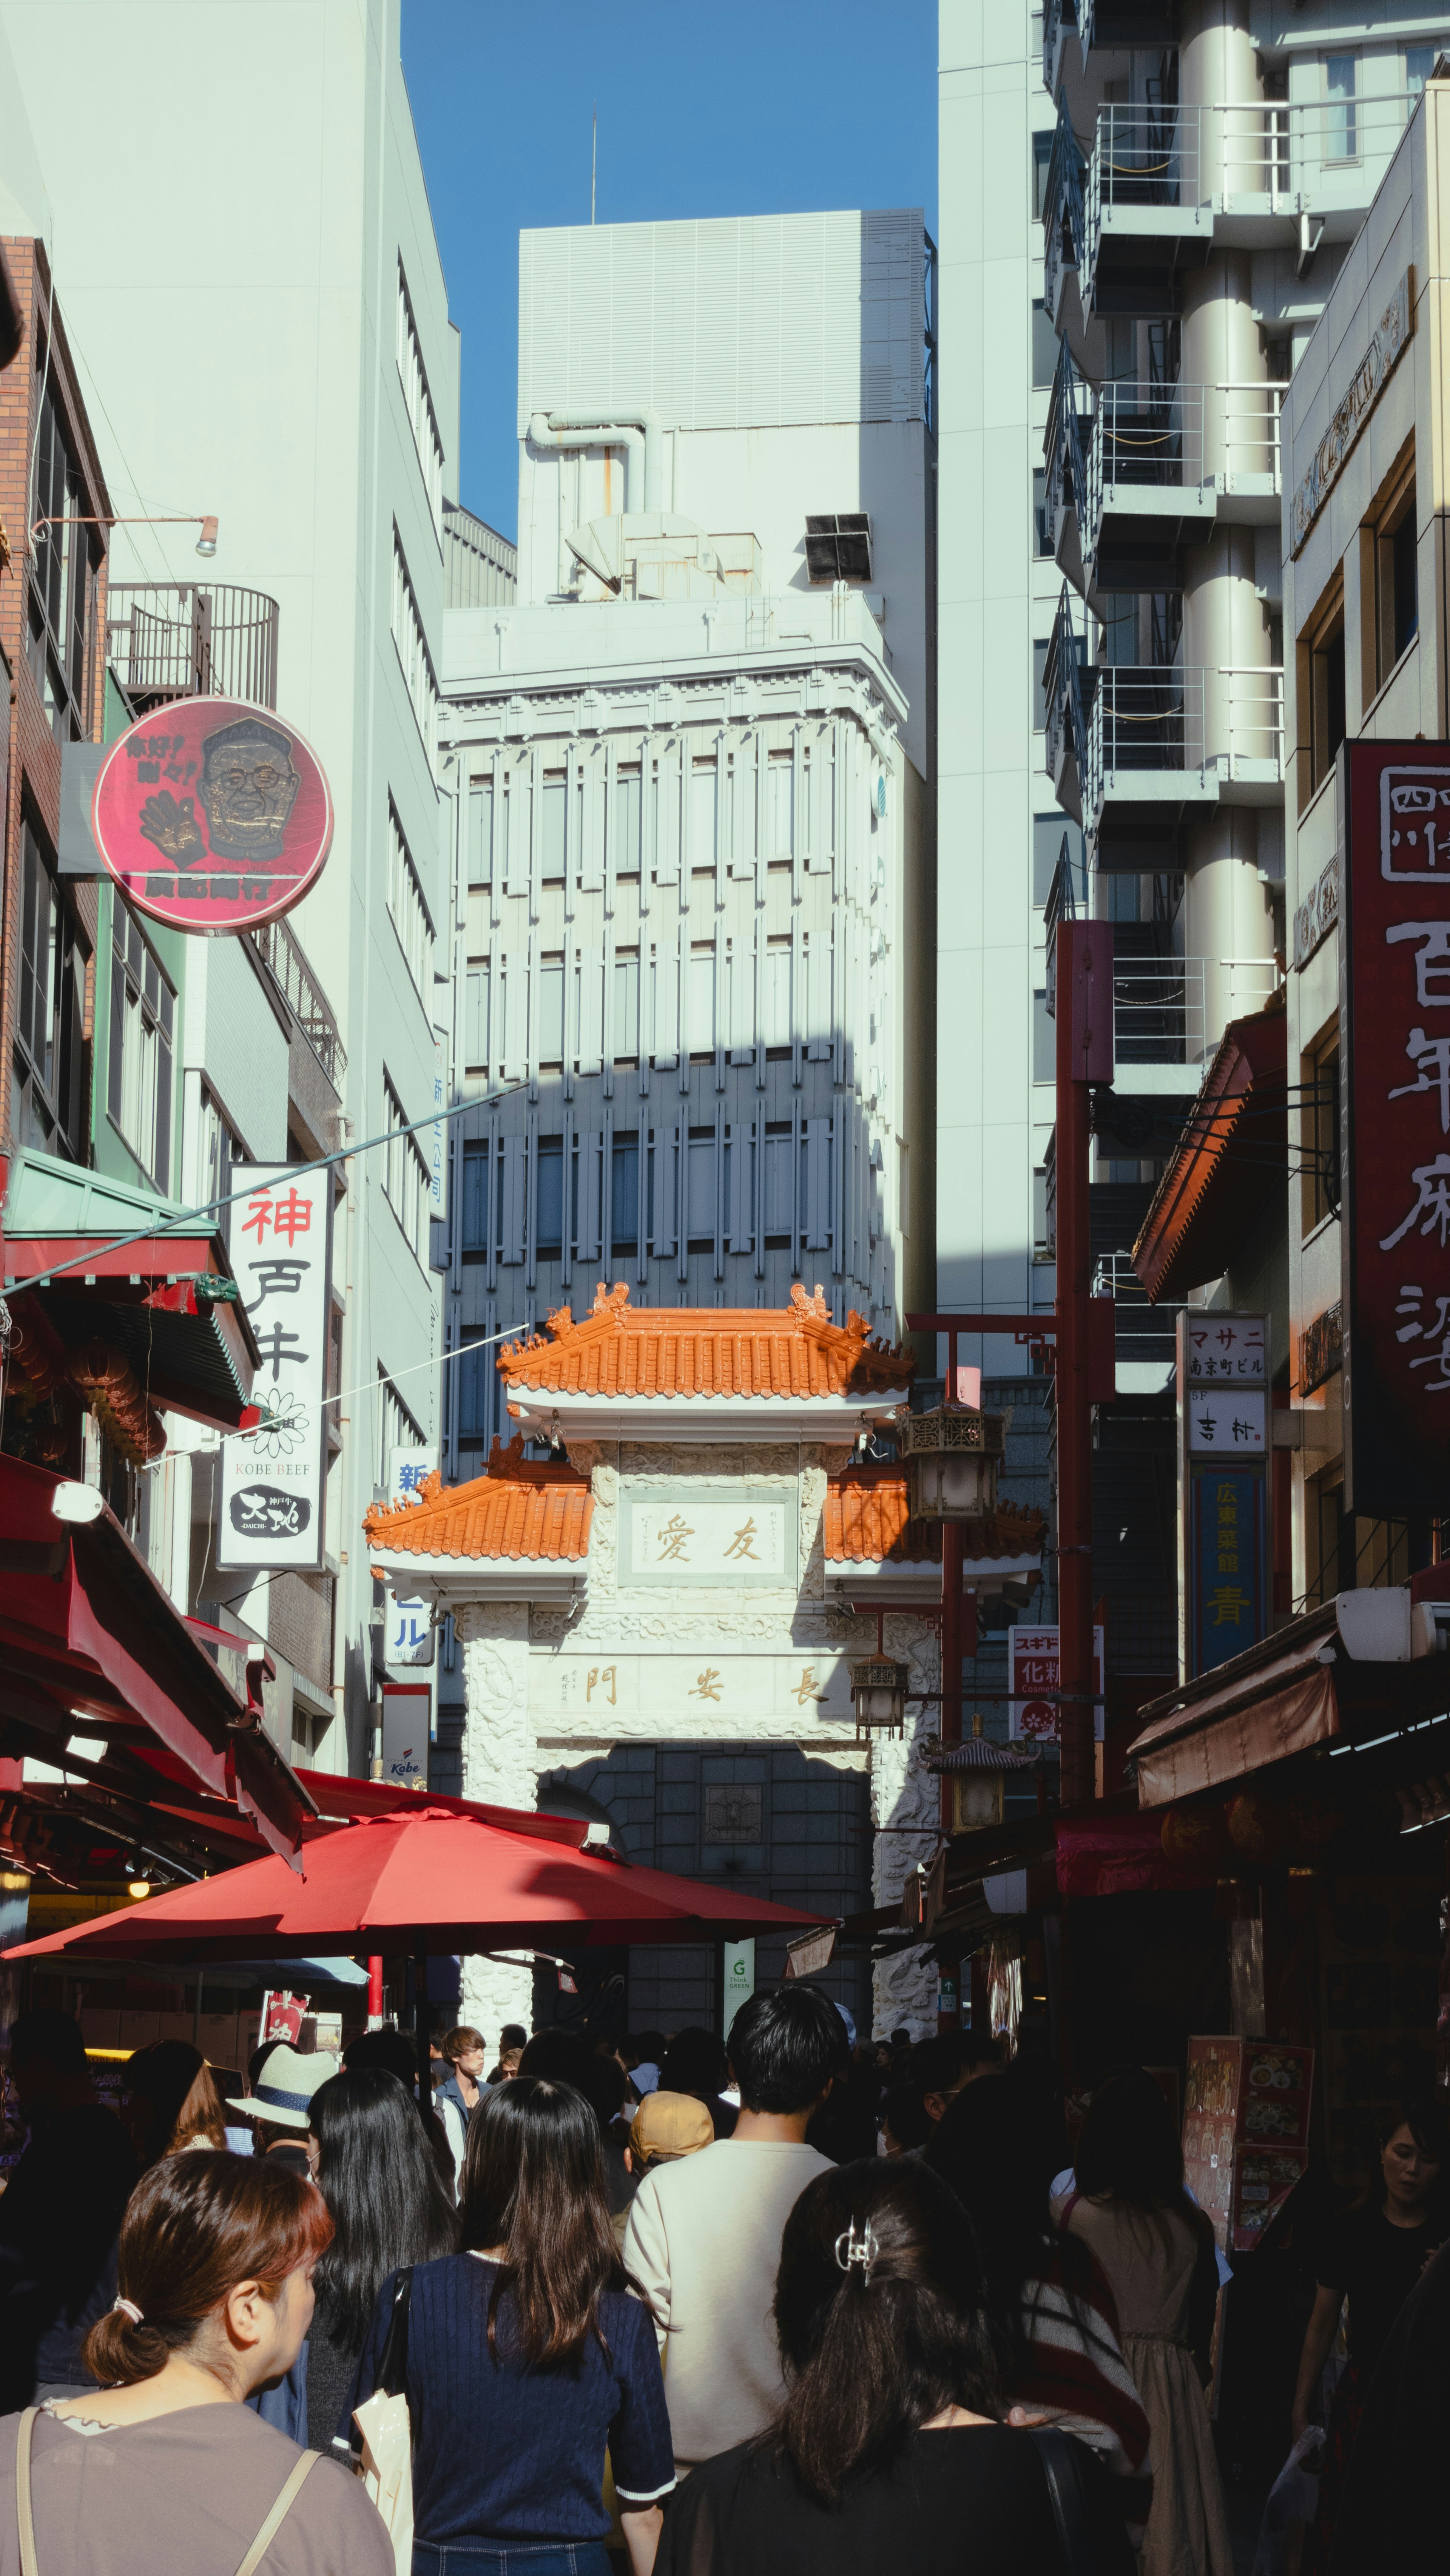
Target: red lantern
[1193, 1838]
[1256, 1825]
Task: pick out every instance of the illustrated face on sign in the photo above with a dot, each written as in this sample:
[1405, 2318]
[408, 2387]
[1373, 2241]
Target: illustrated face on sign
[248, 788]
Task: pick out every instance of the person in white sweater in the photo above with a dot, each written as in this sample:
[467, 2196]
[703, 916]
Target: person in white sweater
[703, 2237]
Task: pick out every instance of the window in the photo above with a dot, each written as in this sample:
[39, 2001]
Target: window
[409, 911]
[626, 823]
[138, 1088]
[1044, 345]
[1396, 580]
[47, 1100]
[475, 1198]
[397, 1427]
[62, 580]
[550, 1198]
[418, 404]
[1041, 161]
[1319, 1129]
[1049, 834]
[624, 1194]
[1341, 116]
[1039, 683]
[1419, 65]
[1323, 654]
[1044, 1041]
[413, 650]
[220, 1149]
[1042, 1248]
[1042, 532]
[838, 546]
[405, 1175]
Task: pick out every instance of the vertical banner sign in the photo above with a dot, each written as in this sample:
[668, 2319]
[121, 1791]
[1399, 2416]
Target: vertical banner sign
[408, 1623]
[1224, 1447]
[406, 1707]
[1034, 1713]
[273, 1481]
[1394, 1019]
[739, 1978]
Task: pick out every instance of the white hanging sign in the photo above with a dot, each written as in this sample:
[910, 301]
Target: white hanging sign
[407, 1622]
[273, 1480]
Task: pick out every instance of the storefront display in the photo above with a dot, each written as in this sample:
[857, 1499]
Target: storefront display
[1245, 2132]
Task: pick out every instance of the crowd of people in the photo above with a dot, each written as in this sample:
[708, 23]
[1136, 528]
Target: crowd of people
[659, 2306]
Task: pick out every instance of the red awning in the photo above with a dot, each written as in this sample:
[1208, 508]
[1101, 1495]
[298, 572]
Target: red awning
[1228, 1164]
[87, 1633]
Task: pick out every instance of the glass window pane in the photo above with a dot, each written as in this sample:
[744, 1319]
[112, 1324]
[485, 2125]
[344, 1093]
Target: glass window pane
[624, 1200]
[551, 1194]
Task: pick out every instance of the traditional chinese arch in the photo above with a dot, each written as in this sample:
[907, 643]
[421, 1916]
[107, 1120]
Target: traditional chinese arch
[693, 1573]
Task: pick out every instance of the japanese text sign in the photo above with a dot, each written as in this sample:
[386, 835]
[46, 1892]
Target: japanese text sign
[211, 815]
[272, 1480]
[1034, 1714]
[1395, 1125]
[407, 1623]
[1226, 1545]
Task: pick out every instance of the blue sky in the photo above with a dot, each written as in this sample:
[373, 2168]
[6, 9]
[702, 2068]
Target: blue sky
[763, 107]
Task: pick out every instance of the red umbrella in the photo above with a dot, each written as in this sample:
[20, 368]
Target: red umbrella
[427, 1880]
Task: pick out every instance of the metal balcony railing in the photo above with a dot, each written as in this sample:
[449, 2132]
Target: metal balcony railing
[1143, 718]
[189, 639]
[1065, 212]
[1057, 15]
[1174, 1010]
[1263, 157]
[1148, 436]
[282, 952]
[1065, 447]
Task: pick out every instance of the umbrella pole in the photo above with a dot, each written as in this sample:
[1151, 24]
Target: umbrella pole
[420, 2022]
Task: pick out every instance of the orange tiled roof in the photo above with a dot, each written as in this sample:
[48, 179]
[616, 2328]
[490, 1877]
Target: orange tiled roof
[519, 1507]
[619, 1349]
[868, 1521]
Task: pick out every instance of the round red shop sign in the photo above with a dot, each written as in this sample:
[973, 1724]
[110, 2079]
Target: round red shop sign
[212, 815]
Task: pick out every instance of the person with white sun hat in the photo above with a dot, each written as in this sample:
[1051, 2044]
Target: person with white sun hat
[279, 2104]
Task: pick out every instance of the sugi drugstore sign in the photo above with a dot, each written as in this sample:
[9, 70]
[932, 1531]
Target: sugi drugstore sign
[211, 815]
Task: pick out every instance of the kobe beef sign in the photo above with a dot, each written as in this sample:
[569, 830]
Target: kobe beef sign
[211, 815]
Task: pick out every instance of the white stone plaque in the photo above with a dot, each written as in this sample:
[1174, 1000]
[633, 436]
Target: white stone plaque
[736, 1535]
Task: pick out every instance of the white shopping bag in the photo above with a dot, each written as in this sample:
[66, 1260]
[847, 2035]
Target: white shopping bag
[1293, 2502]
[387, 2459]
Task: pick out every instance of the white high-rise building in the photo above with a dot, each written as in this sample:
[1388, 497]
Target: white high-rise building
[1143, 209]
[691, 770]
[244, 254]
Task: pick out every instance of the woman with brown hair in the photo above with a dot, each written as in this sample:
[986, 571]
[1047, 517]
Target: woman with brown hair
[171, 2102]
[163, 2467]
[527, 2356]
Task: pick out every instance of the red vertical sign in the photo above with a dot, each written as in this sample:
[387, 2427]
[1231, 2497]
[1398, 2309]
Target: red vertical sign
[1395, 1125]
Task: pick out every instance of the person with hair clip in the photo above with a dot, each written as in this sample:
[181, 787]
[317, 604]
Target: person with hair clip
[171, 2101]
[1156, 2248]
[163, 2466]
[890, 2449]
[527, 2356]
[373, 2164]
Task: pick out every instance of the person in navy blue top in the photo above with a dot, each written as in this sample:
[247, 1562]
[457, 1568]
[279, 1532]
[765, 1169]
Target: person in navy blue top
[528, 2355]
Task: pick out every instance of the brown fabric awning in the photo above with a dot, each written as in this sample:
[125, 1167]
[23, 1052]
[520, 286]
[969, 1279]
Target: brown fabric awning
[1178, 1755]
[1229, 1161]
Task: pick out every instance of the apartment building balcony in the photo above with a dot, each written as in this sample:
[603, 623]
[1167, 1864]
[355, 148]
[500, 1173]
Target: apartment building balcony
[1159, 187]
[189, 639]
[282, 953]
[1158, 466]
[1071, 28]
[1179, 737]
[1169, 1013]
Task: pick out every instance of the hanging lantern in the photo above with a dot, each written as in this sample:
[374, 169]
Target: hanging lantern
[879, 1685]
[978, 1771]
[951, 1458]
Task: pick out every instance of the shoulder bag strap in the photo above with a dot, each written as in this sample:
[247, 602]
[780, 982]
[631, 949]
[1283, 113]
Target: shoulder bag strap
[278, 2514]
[24, 2502]
[1058, 2454]
[393, 2359]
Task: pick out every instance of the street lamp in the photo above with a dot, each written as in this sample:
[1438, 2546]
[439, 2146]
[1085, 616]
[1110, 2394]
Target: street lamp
[879, 1685]
[205, 544]
[951, 1460]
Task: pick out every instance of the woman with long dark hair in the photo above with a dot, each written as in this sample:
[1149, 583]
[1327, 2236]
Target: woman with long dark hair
[163, 2466]
[1052, 2311]
[1156, 2247]
[377, 2173]
[890, 2446]
[527, 2356]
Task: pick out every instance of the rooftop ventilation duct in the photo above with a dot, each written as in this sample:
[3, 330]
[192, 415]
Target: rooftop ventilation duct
[634, 428]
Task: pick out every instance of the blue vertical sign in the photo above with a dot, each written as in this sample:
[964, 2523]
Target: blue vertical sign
[1226, 1508]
